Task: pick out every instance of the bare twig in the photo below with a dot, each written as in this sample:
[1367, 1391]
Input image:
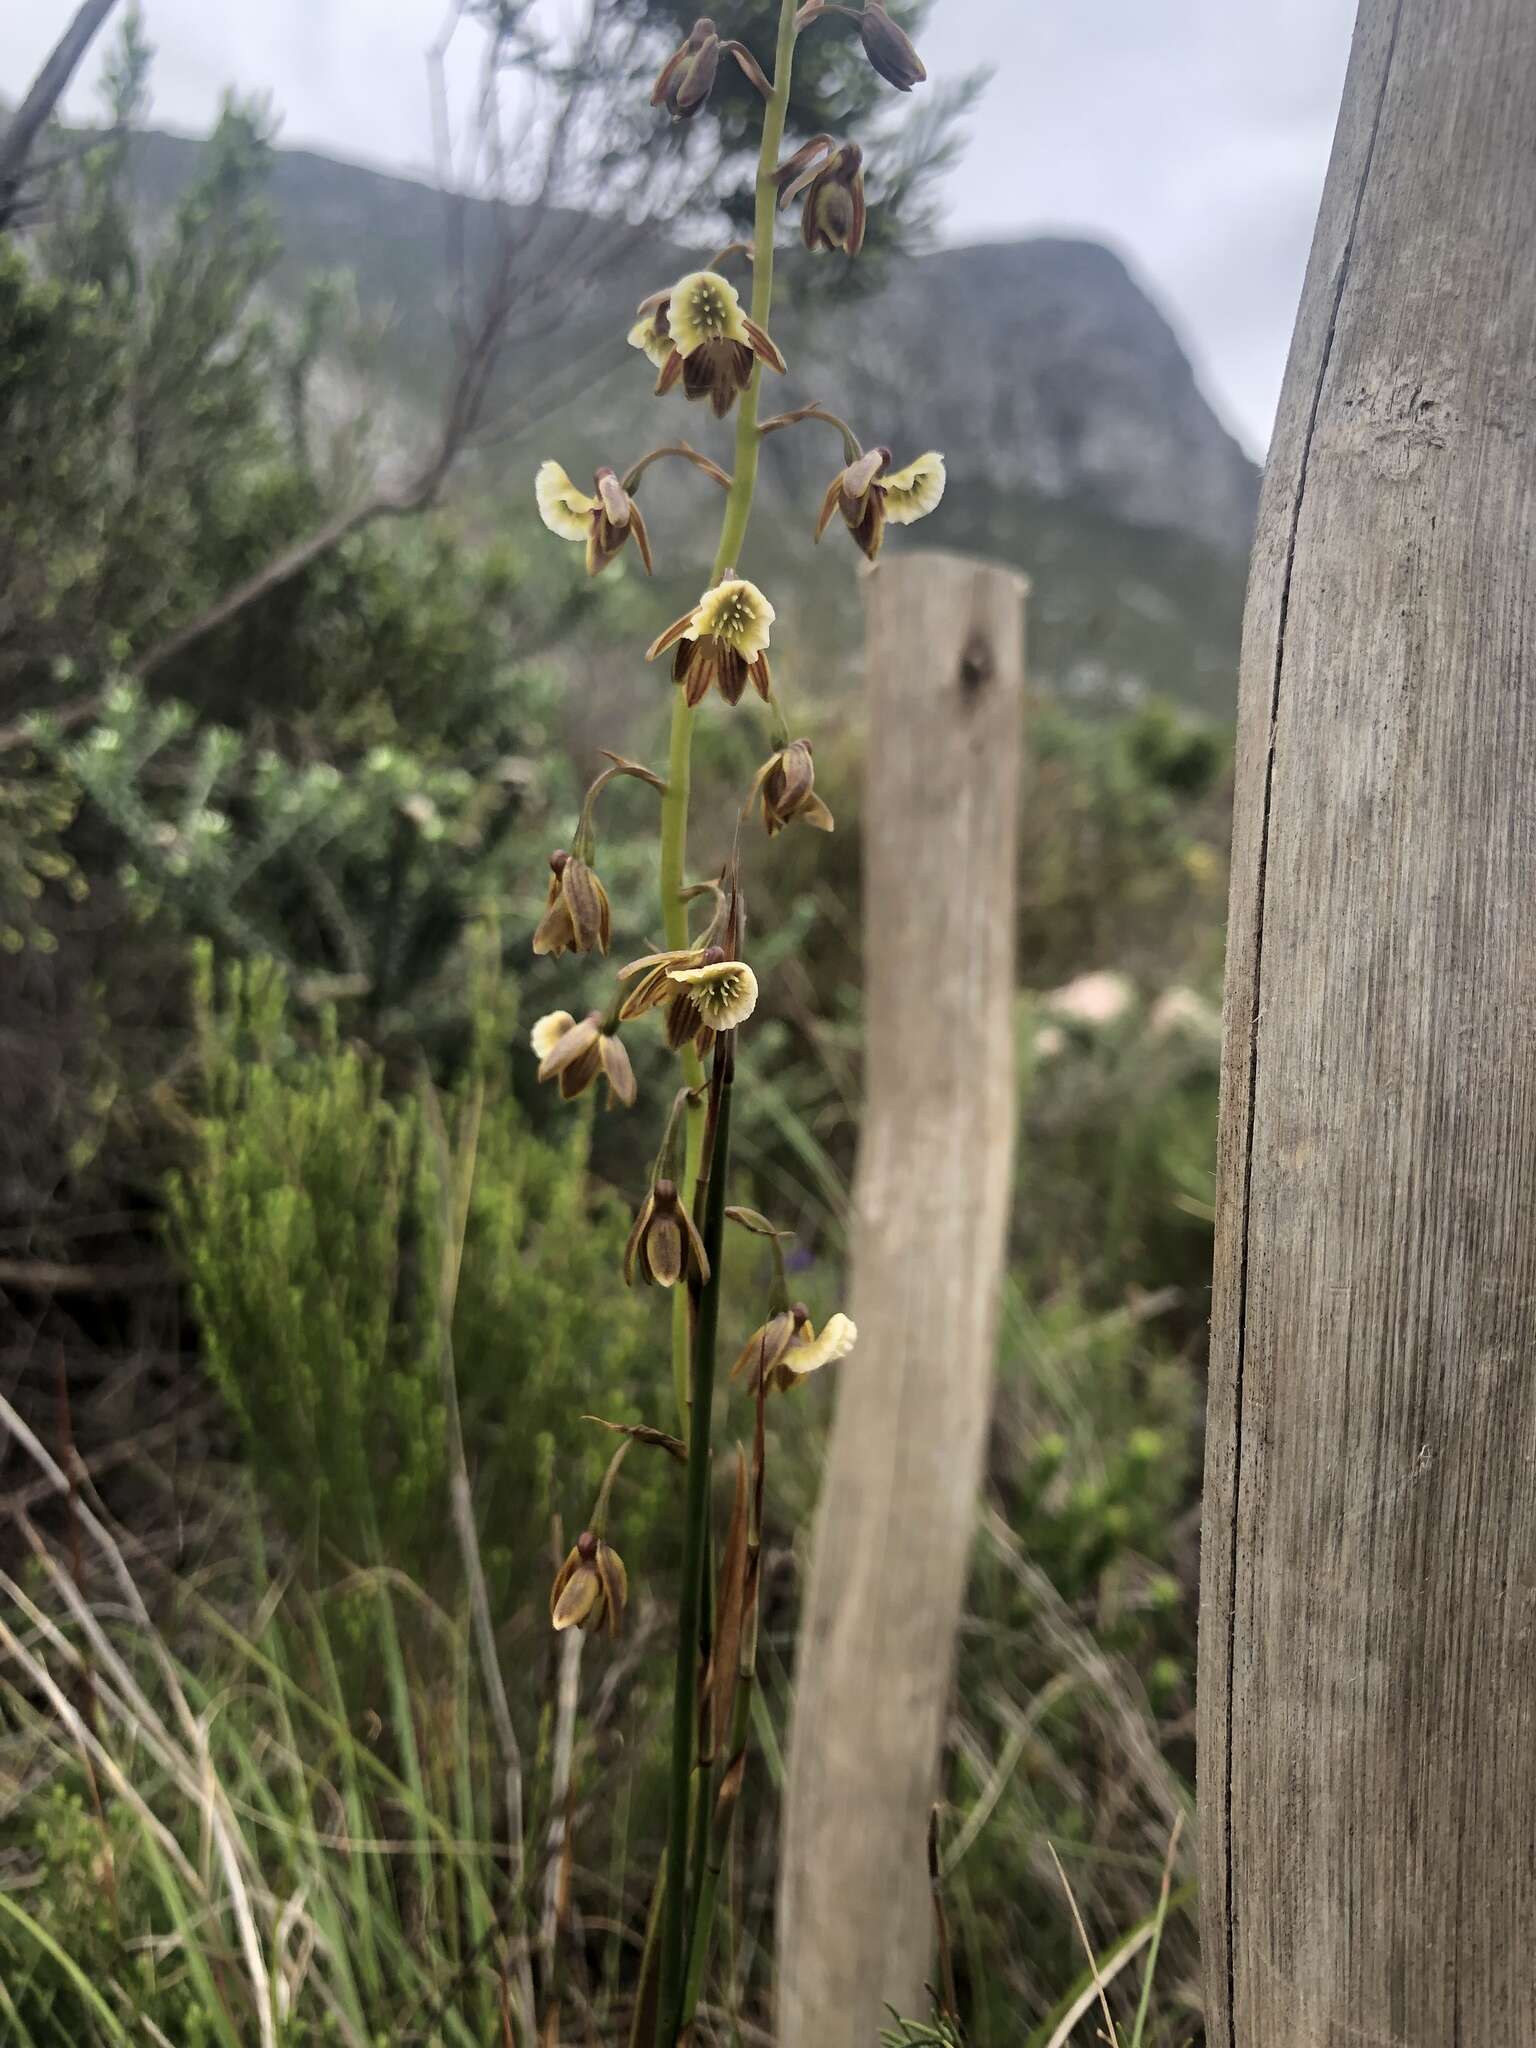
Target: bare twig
[1093, 1961]
[563, 1751]
[44, 94]
[47, 1276]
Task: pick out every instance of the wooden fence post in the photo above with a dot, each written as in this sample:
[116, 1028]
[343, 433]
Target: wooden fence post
[1368, 1638]
[944, 691]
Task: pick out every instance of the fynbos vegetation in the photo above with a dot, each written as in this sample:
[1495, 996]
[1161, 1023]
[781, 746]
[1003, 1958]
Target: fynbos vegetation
[407, 1464]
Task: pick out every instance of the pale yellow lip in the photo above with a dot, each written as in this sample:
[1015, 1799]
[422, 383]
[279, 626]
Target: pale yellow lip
[835, 1342]
[912, 493]
[737, 614]
[704, 307]
[564, 509]
[726, 993]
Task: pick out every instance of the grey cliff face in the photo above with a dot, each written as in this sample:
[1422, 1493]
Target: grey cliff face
[1041, 366]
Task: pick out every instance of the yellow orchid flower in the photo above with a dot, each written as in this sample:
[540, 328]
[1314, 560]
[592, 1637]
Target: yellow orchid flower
[725, 992]
[868, 496]
[711, 346]
[724, 642]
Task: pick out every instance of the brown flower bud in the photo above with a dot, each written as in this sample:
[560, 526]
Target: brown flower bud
[591, 1589]
[664, 1247]
[833, 214]
[688, 76]
[786, 784]
[575, 1053]
[577, 917]
[889, 48]
[617, 517]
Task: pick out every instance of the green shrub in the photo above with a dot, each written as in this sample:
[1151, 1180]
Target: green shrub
[311, 1225]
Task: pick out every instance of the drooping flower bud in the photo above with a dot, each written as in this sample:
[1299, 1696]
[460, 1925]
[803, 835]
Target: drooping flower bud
[574, 1052]
[577, 917]
[603, 523]
[591, 1589]
[688, 76]
[830, 175]
[889, 48]
[664, 1246]
[786, 783]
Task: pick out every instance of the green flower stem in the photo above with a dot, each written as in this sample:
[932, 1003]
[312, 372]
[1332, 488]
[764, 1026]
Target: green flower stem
[695, 1548]
[720, 1824]
[738, 504]
[674, 912]
[674, 847]
[733, 534]
[598, 1520]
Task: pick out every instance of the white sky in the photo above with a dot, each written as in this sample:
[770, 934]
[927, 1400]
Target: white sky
[1192, 135]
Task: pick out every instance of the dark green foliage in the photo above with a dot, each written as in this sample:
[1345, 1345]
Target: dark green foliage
[382, 725]
[311, 1224]
[1123, 847]
[308, 1229]
[143, 395]
[1117, 1153]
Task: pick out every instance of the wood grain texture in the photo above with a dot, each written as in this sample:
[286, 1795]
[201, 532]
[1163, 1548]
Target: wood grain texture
[1368, 1611]
[944, 693]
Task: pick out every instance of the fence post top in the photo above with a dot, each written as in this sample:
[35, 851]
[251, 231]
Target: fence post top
[948, 558]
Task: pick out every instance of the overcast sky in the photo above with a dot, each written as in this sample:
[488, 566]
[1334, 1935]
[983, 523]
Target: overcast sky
[1192, 135]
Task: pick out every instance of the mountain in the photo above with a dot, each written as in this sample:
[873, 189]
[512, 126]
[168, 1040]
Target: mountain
[1079, 444]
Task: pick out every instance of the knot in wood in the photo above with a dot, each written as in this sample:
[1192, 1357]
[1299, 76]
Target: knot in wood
[977, 665]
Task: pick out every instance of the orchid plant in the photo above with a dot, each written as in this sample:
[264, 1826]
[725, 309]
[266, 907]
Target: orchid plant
[709, 348]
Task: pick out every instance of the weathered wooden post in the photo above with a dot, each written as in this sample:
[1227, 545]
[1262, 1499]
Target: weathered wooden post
[1368, 1654]
[944, 691]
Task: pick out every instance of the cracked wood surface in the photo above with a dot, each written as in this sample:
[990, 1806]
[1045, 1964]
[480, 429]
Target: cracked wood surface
[1368, 1612]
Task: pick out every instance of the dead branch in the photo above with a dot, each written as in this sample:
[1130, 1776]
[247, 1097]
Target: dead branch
[44, 94]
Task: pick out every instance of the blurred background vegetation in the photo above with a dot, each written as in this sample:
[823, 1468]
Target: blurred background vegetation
[264, 911]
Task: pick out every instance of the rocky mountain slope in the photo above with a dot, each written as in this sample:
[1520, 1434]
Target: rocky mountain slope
[1079, 444]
